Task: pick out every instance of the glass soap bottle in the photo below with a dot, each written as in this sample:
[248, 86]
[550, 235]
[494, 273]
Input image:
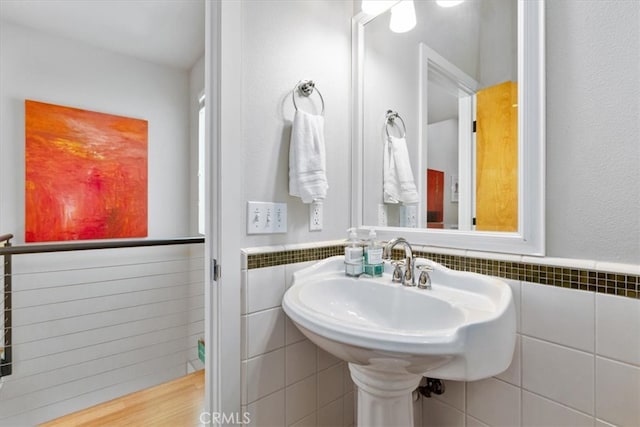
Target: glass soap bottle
[353, 261]
[373, 263]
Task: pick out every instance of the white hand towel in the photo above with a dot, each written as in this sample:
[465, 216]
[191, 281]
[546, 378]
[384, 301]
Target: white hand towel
[307, 159]
[399, 186]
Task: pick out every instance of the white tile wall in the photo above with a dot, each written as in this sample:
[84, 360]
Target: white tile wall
[286, 379]
[262, 375]
[472, 422]
[301, 399]
[264, 288]
[618, 392]
[577, 363]
[618, 328]
[494, 402]
[301, 361]
[441, 414]
[559, 373]
[544, 315]
[454, 395]
[265, 331]
[538, 411]
[268, 411]
[513, 374]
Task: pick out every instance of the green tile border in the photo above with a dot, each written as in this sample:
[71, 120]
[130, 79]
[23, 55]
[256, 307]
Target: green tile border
[271, 259]
[625, 285]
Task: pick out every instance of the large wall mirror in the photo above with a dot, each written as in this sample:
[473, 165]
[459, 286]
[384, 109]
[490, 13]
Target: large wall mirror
[463, 91]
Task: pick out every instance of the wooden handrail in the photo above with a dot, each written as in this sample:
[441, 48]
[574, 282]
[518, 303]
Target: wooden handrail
[5, 237]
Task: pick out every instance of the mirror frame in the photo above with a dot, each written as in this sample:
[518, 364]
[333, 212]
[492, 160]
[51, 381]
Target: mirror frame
[530, 237]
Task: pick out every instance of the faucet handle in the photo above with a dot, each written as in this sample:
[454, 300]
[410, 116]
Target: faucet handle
[425, 280]
[397, 271]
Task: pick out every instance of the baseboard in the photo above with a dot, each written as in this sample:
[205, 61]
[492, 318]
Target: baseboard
[194, 365]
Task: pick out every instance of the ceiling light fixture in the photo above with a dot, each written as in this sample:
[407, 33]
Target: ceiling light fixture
[375, 7]
[448, 3]
[403, 17]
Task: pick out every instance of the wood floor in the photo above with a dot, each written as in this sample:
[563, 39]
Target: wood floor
[177, 403]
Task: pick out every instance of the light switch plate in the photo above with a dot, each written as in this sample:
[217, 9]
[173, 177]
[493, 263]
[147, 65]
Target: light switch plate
[266, 218]
[408, 216]
[382, 215]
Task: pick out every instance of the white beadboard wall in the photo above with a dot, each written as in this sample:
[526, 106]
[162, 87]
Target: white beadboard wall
[577, 363]
[94, 325]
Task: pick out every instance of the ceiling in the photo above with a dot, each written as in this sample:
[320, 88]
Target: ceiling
[169, 32]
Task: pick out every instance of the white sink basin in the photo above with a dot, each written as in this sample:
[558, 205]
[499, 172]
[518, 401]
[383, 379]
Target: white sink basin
[461, 329]
[391, 335]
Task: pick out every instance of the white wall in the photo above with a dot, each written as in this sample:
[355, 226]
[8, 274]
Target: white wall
[593, 106]
[55, 70]
[196, 88]
[443, 156]
[284, 42]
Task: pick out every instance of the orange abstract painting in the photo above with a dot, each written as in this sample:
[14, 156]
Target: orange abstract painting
[86, 174]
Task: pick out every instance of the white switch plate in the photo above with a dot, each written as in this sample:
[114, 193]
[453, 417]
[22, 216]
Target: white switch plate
[382, 215]
[408, 216]
[316, 216]
[266, 218]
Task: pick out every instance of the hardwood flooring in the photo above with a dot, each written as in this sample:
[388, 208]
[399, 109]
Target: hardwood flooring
[177, 403]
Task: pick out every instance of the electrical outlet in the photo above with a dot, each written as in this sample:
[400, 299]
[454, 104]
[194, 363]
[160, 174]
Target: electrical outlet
[382, 215]
[315, 216]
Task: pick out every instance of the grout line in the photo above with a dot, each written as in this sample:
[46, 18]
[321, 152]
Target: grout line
[595, 357]
[589, 352]
[541, 396]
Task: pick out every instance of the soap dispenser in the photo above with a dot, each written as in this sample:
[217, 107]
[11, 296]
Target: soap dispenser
[373, 263]
[353, 261]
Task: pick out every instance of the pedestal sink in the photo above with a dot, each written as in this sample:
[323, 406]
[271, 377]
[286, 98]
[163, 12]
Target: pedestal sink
[392, 335]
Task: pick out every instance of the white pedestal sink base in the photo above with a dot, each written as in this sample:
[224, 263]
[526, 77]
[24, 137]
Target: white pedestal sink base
[384, 399]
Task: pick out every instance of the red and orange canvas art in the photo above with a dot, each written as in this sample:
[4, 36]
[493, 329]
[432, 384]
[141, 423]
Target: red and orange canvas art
[86, 174]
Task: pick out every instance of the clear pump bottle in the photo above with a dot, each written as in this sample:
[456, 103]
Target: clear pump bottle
[373, 262]
[353, 259]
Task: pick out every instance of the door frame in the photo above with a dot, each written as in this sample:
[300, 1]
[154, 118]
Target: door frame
[222, 403]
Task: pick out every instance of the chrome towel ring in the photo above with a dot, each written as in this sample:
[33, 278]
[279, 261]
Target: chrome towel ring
[305, 88]
[391, 117]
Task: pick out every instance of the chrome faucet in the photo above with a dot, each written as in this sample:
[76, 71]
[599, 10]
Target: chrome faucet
[408, 278]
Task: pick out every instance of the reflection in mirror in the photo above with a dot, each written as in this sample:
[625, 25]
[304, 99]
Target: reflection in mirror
[448, 107]
[468, 82]
[448, 62]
